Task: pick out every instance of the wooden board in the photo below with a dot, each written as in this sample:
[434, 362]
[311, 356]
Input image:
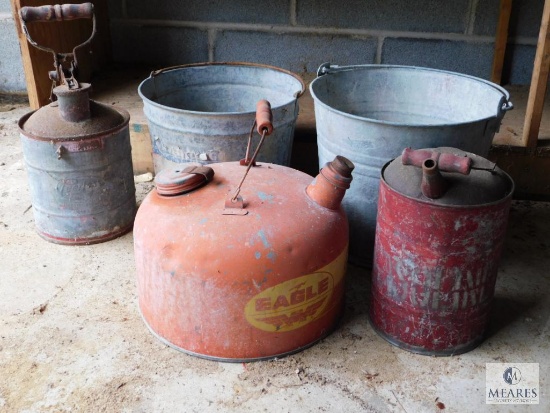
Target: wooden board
[528, 170]
[501, 39]
[62, 37]
[539, 79]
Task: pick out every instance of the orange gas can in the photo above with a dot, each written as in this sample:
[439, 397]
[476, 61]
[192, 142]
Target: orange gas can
[248, 275]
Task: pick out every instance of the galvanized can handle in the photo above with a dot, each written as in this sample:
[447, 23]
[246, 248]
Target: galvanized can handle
[59, 13]
[447, 162]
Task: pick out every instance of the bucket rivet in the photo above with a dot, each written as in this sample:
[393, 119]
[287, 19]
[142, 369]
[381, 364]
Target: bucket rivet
[60, 151]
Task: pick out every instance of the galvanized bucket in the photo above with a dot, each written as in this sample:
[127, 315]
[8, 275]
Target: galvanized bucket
[202, 113]
[369, 113]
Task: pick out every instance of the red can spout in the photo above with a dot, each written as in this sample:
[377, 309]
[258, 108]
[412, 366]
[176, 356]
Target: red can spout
[329, 187]
[433, 184]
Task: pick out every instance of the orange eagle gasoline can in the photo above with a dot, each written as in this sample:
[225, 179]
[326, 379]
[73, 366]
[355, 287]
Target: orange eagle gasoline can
[243, 274]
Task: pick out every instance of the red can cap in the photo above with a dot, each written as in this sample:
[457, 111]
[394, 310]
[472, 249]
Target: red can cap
[170, 182]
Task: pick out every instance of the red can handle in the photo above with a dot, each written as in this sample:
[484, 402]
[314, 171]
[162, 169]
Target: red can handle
[446, 162]
[57, 12]
[264, 117]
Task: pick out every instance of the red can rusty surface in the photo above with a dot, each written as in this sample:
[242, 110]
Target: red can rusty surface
[264, 280]
[435, 262]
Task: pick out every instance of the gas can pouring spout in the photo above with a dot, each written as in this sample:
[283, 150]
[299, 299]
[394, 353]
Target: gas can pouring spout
[74, 104]
[433, 184]
[329, 187]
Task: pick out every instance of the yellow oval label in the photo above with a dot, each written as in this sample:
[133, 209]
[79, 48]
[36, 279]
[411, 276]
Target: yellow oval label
[297, 302]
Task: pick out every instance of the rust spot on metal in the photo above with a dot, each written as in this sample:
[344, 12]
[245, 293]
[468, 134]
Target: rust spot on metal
[435, 264]
[259, 287]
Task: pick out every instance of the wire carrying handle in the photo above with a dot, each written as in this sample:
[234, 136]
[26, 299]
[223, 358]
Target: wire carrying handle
[264, 126]
[65, 64]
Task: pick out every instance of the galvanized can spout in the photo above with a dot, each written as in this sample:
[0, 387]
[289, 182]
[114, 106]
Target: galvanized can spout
[329, 187]
[74, 104]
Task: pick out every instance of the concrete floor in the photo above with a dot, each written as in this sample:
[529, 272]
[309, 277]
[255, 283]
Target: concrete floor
[71, 338]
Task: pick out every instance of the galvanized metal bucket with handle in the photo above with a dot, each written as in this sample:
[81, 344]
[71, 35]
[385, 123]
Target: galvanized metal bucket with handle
[369, 113]
[201, 113]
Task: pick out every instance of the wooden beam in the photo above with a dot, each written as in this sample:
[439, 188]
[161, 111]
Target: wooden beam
[501, 39]
[62, 37]
[537, 92]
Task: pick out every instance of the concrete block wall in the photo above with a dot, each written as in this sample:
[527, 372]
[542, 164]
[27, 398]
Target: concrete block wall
[299, 35]
[12, 78]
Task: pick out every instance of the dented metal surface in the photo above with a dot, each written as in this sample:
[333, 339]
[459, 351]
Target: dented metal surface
[436, 260]
[369, 113]
[79, 168]
[202, 112]
[230, 286]
[77, 151]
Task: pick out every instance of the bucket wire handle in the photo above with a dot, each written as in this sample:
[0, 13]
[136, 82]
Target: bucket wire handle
[59, 13]
[264, 125]
[296, 95]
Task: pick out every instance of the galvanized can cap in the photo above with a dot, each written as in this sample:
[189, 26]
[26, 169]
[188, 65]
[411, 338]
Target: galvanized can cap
[447, 176]
[72, 116]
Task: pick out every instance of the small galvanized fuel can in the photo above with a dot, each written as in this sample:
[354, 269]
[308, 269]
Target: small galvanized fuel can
[442, 217]
[79, 167]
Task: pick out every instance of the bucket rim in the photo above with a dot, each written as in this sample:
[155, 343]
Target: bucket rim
[158, 72]
[325, 70]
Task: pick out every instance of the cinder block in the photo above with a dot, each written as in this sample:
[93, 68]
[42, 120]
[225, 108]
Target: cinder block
[114, 8]
[12, 77]
[399, 15]
[526, 18]
[158, 46]
[296, 52]
[240, 11]
[486, 20]
[518, 64]
[470, 58]
[5, 6]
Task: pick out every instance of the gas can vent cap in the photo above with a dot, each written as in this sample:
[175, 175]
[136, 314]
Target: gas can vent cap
[170, 182]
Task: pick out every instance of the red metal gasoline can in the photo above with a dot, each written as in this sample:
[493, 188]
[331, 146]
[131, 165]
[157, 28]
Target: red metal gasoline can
[442, 217]
[247, 276]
